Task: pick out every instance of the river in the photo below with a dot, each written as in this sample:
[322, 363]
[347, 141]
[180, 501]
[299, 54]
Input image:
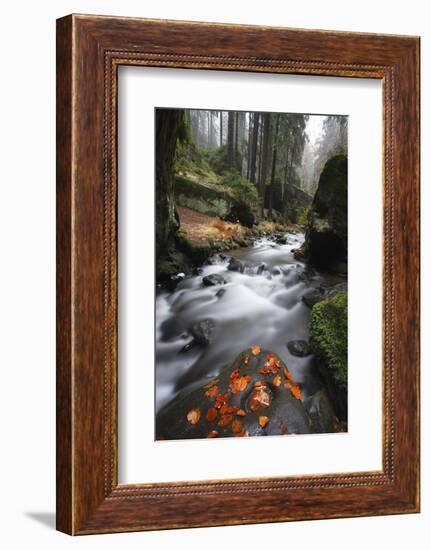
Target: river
[262, 305]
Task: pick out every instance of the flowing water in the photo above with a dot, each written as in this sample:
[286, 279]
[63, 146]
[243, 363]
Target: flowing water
[262, 305]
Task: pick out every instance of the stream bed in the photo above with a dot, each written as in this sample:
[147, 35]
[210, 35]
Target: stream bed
[259, 301]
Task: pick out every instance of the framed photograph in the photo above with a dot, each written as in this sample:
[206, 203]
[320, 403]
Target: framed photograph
[237, 274]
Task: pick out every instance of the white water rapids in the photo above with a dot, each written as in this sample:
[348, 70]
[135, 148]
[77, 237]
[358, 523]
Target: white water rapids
[256, 307]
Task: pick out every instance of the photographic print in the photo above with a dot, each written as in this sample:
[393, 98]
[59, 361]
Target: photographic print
[251, 252]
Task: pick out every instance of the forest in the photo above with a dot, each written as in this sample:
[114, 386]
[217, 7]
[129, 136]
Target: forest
[251, 273]
[245, 167]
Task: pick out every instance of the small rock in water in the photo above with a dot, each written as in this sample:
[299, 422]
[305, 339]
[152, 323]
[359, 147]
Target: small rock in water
[300, 348]
[188, 346]
[276, 270]
[236, 265]
[213, 279]
[261, 268]
[175, 280]
[220, 292]
[203, 331]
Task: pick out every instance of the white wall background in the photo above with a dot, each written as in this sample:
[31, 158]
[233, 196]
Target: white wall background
[27, 298]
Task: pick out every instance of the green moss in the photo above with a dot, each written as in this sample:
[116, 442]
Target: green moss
[328, 336]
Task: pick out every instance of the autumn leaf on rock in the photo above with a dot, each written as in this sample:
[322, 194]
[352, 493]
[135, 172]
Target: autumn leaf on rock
[220, 400]
[211, 414]
[259, 399]
[271, 366]
[227, 409]
[296, 392]
[255, 350]
[212, 392]
[277, 380]
[213, 433]
[241, 412]
[236, 426]
[239, 384]
[263, 421]
[225, 420]
[212, 383]
[193, 416]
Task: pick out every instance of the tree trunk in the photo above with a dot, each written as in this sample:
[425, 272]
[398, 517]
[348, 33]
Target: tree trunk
[253, 161]
[266, 154]
[168, 125]
[231, 139]
[274, 164]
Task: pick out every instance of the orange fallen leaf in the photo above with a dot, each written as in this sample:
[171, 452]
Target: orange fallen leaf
[193, 416]
[255, 350]
[227, 409]
[263, 421]
[296, 392]
[287, 374]
[236, 427]
[213, 382]
[239, 384]
[259, 384]
[234, 374]
[271, 366]
[259, 399]
[277, 380]
[220, 400]
[211, 414]
[212, 433]
[241, 412]
[212, 392]
[225, 420]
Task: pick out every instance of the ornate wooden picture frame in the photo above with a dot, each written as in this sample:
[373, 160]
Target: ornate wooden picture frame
[89, 51]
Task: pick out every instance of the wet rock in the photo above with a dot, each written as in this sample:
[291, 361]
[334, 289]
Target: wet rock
[320, 411]
[174, 280]
[220, 292]
[213, 280]
[336, 289]
[280, 238]
[188, 346]
[236, 265]
[266, 405]
[203, 332]
[326, 236]
[261, 268]
[276, 270]
[300, 348]
[312, 296]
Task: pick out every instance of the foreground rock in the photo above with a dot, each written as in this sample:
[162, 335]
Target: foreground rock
[256, 395]
[328, 342]
[325, 245]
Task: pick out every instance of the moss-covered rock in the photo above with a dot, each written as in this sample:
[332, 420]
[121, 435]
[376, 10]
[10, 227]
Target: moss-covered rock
[326, 235]
[215, 201]
[328, 341]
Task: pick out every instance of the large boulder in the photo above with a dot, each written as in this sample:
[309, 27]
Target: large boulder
[328, 342]
[255, 395]
[295, 202]
[326, 235]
